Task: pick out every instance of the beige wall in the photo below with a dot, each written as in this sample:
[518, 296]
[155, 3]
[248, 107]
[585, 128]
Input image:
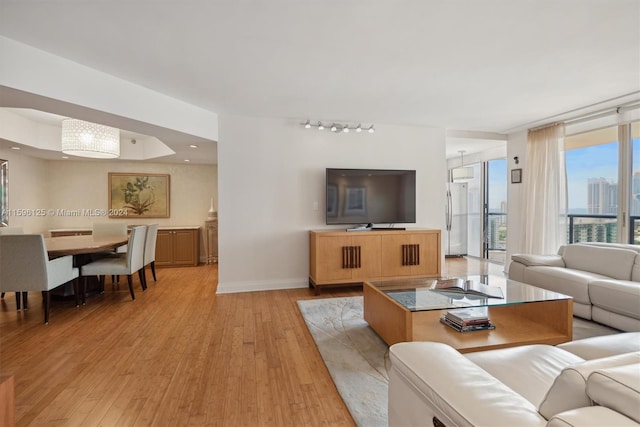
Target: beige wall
[57, 185]
[26, 175]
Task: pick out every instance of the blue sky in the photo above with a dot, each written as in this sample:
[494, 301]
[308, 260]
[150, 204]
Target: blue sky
[599, 161]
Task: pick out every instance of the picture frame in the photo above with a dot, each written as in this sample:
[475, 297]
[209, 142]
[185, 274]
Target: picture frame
[355, 202]
[139, 195]
[516, 176]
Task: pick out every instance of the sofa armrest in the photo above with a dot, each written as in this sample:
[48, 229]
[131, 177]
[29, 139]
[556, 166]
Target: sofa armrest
[530, 260]
[432, 380]
[591, 416]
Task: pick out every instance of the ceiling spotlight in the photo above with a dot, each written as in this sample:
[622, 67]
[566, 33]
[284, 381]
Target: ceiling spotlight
[193, 146]
[371, 129]
[307, 125]
[359, 128]
[320, 127]
[334, 127]
[15, 148]
[345, 129]
[187, 160]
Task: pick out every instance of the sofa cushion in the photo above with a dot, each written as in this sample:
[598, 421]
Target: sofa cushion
[564, 280]
[618, 296]
[539, 364]
[603, 346]
[591, 416]
[607, 261]
[569, 389]
[617, 388]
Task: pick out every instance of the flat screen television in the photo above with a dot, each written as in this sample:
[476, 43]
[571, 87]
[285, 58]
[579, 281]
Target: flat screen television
[370, 196]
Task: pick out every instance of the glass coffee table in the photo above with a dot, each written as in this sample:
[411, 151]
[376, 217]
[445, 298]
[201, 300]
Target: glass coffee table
[407, 310]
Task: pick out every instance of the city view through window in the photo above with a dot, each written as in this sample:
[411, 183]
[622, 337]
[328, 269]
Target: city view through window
[592, 181]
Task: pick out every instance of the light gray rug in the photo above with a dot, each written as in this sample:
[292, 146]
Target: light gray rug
[357, 358]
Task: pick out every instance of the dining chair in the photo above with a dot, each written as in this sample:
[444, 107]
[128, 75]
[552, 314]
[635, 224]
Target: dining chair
[127, 264]
[110, 229]
[14, 230]
[25, 267]
[150, 250]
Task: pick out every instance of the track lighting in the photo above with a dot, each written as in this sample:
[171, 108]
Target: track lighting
[338, 127]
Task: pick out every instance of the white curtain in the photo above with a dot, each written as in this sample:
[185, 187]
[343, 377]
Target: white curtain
[545, 191]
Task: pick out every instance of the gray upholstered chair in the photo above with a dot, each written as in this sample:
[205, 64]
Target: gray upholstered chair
[25, 266]
[150, 250]
[14, 230]
[126, 264]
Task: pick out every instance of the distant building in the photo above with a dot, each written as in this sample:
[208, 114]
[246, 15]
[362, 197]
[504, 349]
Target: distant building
[635, 194]
[602, 197]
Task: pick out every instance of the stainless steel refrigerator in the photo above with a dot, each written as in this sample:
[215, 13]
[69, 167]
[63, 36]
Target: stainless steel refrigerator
[456, 220]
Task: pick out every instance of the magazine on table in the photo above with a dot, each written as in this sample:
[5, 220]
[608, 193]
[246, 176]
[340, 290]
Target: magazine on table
[468, 287]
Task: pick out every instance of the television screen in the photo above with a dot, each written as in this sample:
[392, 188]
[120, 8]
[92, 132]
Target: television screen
[369, 196]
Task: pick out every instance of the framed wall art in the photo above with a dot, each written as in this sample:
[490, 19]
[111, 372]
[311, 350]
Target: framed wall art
[139, 195]
[516, 176]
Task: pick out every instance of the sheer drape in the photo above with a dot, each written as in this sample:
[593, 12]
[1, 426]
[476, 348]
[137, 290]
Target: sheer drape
[545, 192]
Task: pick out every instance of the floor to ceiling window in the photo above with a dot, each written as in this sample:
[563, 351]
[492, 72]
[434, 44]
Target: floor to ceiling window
[475, 201]
[603, 176]
[495, 219]
[592, 184]
[486, 210]
[635, 184]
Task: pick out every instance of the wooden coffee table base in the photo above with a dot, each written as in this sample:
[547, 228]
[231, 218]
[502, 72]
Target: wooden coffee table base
[546, 322]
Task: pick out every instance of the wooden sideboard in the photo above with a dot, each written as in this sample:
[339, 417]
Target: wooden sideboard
[175, 246]
[346, 258]
[178, 247]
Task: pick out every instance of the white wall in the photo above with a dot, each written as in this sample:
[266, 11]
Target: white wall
[271, 174]
[516, 146]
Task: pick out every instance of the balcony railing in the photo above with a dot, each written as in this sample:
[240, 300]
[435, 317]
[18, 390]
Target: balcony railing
[600, 228]
[495, 238]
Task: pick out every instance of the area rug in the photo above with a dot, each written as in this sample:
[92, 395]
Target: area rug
[358, 360]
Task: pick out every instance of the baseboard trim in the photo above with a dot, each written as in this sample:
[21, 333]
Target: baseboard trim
[261, 285]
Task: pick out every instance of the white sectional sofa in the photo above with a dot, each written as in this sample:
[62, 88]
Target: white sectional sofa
[603, 279]
[590, 382]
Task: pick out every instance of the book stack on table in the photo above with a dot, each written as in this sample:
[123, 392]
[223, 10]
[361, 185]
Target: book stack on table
[468, 319]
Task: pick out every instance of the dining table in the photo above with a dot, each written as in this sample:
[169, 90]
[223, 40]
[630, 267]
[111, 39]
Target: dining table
[82, 245]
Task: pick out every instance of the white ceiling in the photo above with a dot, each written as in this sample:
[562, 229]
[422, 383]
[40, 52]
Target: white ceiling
[484, 65]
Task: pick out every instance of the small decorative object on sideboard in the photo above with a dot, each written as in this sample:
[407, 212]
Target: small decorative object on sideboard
[468, 319]
[212, 214]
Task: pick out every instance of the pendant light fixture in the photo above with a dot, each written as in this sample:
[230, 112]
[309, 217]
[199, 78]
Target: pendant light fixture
[462, 173]
[85, 139]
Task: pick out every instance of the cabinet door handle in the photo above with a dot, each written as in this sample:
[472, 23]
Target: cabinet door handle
[411, 254]
[351, 257]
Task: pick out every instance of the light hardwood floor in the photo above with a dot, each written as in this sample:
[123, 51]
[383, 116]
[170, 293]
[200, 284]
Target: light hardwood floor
[177, 355]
